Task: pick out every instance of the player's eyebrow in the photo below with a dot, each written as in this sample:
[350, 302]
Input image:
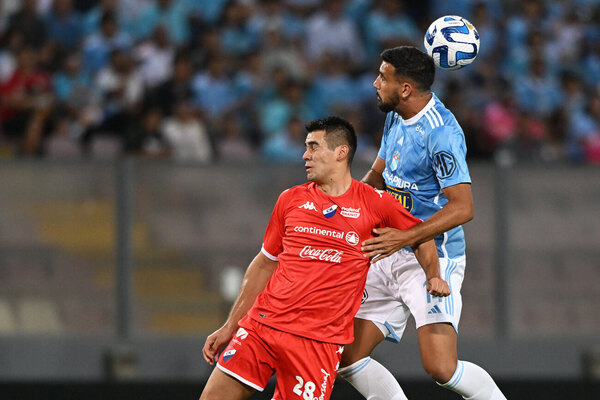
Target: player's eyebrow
[312, 143]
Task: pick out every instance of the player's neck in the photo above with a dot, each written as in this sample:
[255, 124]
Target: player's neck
[413, 105]
[336, 186]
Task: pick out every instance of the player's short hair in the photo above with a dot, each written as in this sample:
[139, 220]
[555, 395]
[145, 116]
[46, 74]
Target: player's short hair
[338, 131]
[410, 62]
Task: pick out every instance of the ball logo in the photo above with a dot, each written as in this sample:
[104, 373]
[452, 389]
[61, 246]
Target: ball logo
[352, 238]
[329, 255]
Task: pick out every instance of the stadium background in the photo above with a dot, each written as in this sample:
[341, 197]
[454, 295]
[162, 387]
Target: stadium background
[143, 144]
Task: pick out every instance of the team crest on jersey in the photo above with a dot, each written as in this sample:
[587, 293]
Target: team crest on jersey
[228, 354]
[330, 210]
[395, 161]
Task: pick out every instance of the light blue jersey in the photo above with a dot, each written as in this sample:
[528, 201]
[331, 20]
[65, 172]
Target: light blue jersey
[423, 155]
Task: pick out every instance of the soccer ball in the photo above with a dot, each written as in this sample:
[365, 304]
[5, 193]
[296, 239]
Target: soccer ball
[452, 41]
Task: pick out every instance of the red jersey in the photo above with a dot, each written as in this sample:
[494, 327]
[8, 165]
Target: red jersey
[316, 289]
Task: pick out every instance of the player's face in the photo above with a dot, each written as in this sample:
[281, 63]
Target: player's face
[387, 88]
[318, 158]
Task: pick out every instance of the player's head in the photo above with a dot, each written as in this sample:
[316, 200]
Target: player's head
[403, 70]
[330, 143]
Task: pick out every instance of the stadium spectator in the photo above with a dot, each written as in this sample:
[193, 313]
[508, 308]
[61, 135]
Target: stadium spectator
[186, 135]
[287, 144]
[172, 14]
[155, 56]
[26, 102]
[65, 25]
[30, 24]
[330, 31]
[174, 90]
[99, 45]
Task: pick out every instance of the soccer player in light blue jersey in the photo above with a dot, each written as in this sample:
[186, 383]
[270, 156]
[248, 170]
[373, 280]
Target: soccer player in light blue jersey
[422, 163]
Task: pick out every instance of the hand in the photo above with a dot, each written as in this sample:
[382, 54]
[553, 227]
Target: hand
[438, 287]
[215, 342]
[388, 241]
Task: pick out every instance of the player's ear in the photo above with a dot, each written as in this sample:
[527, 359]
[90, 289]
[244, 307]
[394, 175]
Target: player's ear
[405, 89]
[342, 152]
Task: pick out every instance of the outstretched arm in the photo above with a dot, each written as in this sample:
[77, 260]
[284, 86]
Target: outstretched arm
[458, 211]
[257, 275]
[427, 256]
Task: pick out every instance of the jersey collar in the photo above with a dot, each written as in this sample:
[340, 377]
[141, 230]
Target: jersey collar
[417, 117]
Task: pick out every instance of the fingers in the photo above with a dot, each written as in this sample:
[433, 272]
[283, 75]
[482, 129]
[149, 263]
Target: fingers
[438, 287]
[208, 354]
[380, 257]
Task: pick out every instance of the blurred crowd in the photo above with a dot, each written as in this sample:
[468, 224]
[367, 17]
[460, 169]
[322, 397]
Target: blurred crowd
[201, 80]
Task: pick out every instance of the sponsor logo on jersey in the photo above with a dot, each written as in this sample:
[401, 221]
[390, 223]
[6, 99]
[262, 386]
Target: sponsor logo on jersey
[329, 255]
[318, 231]
[398, 182]
[324, 384]
[309, 205]
[350, 212]
[444, 164]
[228, 354]
[352, 238]
[330, 211]
[419, 128]
[404, 197]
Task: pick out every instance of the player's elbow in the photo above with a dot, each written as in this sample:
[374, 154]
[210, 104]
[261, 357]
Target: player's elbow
[465, 213]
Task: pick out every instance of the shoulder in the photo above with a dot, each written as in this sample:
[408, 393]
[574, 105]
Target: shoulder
[369, 193]
[295, 191]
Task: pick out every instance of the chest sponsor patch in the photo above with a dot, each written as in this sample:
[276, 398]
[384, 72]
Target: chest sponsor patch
[350, 212]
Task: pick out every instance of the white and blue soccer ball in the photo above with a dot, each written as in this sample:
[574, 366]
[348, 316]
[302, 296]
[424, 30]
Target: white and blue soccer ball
[452, 42]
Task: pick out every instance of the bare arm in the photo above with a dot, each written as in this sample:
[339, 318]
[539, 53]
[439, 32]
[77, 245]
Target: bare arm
[257, 275]
[459, 210]
[427, 256]
[374, 176]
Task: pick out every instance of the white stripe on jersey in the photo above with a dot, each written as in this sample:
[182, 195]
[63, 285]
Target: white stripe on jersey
[433, 117]
[430, 121]
[438, 114]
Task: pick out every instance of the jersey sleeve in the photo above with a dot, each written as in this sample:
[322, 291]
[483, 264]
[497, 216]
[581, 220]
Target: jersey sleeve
[392, 212]
[447, 149]
[386, 130]
[273, 240]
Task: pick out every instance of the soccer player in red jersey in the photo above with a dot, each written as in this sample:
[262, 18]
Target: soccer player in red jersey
[299, 296]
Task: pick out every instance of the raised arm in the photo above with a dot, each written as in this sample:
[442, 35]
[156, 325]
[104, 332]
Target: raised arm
[459, 210]
[257, 275]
